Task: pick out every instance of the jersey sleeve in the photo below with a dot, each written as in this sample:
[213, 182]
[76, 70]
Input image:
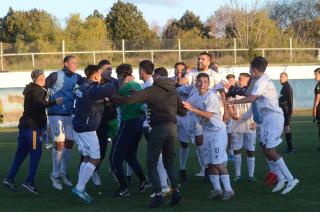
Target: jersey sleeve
[260, 87]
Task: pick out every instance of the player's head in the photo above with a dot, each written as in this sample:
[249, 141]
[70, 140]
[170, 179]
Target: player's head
[317, 74]
[123, 71]
[160, 72]
[105, 68]
[203, 82]
[231, 79]
[204, 61]
[146, 68]
[258, 66]
[180, 69]
[93, 73]
[283, 77]
[38, 77]
[244, 79]
[214, 66]
[70, 62]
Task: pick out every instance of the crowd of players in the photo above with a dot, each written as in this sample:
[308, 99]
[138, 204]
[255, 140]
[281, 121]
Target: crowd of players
[219, 116]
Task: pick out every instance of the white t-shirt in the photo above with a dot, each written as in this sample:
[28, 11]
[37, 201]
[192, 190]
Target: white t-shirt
[267, 95]
[208, 102]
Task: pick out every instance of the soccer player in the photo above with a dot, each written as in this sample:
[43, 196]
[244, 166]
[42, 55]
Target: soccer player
[269, 118]
[89, 106]
[62, 83]
[31, 126]
[164, 130]
[286, 104]
[125, 146]
[206, 106]
[108, 126]
[316, 105]
[243, 134]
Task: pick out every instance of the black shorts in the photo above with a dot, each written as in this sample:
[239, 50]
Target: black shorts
[287, 119]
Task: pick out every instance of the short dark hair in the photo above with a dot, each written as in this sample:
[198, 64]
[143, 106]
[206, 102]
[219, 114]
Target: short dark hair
[180, 63]
[284, 73]
[203, 75]
[103, 62]
[35, 74]
[260, 63]
[161, 71]
[147, 66]
[124, 70]
[207, 54]
[317, 70]
[67, 58]
[245, 74]
[229, 76]
[90, 70]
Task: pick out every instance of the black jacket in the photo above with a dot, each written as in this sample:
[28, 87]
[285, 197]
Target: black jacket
[162, 99]
[35, 102]
[286, 99]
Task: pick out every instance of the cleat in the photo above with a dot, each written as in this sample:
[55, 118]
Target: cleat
[81, 194]
[167, 191]
[290, 151]
[156, 201]
[215, 194]
[252, 179]
[227, 195]
[48, 146]
[30, 187]
[290, 186]
[122, 193]
[280, 185]
[56, 183]
[65, 179]
[142, 187]
[201, 173]
[176, 197]
[237, 179]
[183, 175]
[96, 179]
[87, 195]
[10, 184]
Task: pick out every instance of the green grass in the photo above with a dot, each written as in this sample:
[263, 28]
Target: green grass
[305, 164]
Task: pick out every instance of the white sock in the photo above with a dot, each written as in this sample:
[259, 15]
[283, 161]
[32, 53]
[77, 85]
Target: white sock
[56, 160]
[83, 164]
[129, 170]
[251, 165]
[237, 164]
[225, 179]
[201, 151]
[183, 157]
[65, 160]
[162, 173]
[271, 166]
[276, 170]
[85, 176]
[284, 169]
[215, 181]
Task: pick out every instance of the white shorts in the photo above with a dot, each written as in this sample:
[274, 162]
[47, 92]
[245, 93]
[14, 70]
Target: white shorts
[61, 128]
[245, 140]
[271, 129]
[183, 129]
[88, 144]
[215, 143]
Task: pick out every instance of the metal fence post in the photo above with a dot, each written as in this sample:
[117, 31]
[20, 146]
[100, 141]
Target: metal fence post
[262, 52]
[291, 50]
[151, 55]
[235, 50]
[179, 49]
[318, 54]
[1, 55]
[123, 49]
[94, 57]
[63, 50]
[32, 58]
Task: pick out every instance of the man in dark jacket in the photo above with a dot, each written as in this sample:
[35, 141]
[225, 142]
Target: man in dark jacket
[164, 104]
[286, 103]
[89, 106]
[31, 125]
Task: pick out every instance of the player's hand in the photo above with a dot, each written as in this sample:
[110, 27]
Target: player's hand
[187, 105]
[253, 126]
[59, 100]
[237, 118]
[314, 113]
[183, 81]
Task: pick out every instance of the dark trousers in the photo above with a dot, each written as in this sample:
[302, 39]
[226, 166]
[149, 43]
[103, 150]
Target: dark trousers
[29, 141]
[162, 138]
[125, 147]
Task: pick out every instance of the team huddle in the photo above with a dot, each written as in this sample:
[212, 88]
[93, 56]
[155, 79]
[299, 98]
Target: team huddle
[219, 116]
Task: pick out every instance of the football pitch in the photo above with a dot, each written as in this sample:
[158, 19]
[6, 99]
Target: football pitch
[304, 164]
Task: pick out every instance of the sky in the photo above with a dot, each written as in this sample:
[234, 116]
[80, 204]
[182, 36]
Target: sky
[158, 11]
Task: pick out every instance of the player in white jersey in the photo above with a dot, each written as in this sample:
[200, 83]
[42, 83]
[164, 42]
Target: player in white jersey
[269, 118]
[206, 106]
[243, 134]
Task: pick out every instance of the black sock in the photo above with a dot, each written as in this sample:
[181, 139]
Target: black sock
[288, 139]
[123, 183]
